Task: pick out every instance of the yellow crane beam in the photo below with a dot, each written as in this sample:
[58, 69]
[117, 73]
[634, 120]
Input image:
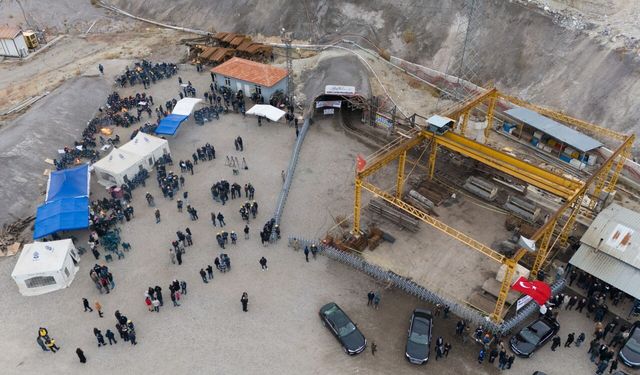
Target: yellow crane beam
[400, 175]
[455, 111]
[391, 154]
[559, 116]
[452, 232]
[513, 166]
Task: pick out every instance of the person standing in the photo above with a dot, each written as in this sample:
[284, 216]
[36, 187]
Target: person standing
[210, 272]
[376, 300]
[580, 339]
[263, 263]
[204, 276]
[157, 213]
[244, 301]
[179, 257]
[183, 287]
[85, 303]
[569, 341]
[132, 337]
[110, 336]
[246, 232]
[447, 348]
[614, 366]
[101, 69]
[156, 305]
[481, 356]
[98, 308]
[555, 343]
[370, 296]
[172, 256]
[81, 356]
[306, 253]
[374, 348]
[510, 361]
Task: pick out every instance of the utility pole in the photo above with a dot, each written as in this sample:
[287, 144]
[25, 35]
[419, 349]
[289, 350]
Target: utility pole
[287, 38]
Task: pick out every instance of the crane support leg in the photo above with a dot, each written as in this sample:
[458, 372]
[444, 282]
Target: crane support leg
[568, 227]
[400, 176]
[465, 122]
[496, 316]
[433, 154]
[490, 110]
[543, 249]
[356, 206]
[611, 186]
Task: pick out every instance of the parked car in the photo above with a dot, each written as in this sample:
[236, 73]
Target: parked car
[629, 354]
[345, 330]
[418, 344]
[533, 336]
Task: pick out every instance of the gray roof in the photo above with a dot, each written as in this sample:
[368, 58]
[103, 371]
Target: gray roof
[438, 121]
[563, 133]
[608, 269]
[613, 232]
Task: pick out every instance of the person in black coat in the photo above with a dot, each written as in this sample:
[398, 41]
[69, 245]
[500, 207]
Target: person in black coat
[81, 356]
[245, 301]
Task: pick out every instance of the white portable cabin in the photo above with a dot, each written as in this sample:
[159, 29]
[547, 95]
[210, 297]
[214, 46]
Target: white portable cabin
[111, 169]
[12, 42]
[45, 267]
[149, 147]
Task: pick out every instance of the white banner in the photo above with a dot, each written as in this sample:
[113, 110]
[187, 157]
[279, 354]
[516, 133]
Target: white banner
[339, 90]
[329, 111]
[329, 103]
[522, 302]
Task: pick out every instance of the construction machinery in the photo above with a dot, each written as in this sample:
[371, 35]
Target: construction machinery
[556, 228]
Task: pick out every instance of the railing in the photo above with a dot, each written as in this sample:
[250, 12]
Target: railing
[282, 197]
[463, 311]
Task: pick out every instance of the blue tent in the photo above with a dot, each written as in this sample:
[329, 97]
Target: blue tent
[66, 205]
[170, 124]
[62, 214]
[68, 183]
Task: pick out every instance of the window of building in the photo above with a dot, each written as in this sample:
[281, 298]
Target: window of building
[258, 89]
[39, 281]
[66, 271]
[227, 81]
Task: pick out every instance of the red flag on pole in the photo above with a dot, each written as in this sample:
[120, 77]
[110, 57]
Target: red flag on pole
[538, 290]
[360, 163]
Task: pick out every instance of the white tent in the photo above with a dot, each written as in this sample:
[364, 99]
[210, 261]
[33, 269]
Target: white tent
[45, 267]
[149, 147]
[111, 169]
[185, 106]
[268, 111]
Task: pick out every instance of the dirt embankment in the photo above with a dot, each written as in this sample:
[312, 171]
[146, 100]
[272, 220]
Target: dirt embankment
[524, 51]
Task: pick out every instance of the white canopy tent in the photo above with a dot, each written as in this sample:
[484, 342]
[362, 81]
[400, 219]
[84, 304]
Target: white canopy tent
[185, 106]
[268, 111]
[149, 147]
[45, 267]
[111, 169]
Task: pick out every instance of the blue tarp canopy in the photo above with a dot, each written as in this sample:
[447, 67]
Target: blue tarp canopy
[170, 124]
[66, 205]
[68, 183]
[62, 214]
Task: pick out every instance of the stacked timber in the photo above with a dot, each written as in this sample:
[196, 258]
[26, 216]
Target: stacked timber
[394, 215]
[10, 235]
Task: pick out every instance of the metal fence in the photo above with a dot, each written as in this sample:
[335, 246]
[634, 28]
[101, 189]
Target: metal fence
[282, 197]
[411, 287]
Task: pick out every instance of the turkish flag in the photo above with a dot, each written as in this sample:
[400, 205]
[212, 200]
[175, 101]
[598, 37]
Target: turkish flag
[538, 290]
[360, 163]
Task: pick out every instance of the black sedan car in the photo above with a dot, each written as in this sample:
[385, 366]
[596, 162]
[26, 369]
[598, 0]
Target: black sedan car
[533, 336]
[630, 352]
[419, 339]
[351, 339]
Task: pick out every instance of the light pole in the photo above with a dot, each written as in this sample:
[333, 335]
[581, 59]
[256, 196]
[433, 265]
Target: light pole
[287, 38]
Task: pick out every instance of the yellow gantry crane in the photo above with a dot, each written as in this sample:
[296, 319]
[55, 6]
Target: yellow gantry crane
[571, 190]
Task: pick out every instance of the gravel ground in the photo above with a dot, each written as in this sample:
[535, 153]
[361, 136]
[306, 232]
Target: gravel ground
[281, 333]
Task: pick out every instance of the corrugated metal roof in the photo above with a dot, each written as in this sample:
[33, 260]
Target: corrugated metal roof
[608, 269]
[8, 32]
[614, 232]
[555, 129]
[251, 71]
[438, 121]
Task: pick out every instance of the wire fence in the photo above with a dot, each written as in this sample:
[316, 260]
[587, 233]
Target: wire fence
[463, 311]
[286, 186]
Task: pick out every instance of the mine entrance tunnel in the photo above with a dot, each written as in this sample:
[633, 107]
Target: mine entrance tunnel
[349, 107]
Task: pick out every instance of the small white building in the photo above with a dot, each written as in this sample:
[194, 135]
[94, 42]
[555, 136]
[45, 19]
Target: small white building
[45, 267]
[12, 42]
